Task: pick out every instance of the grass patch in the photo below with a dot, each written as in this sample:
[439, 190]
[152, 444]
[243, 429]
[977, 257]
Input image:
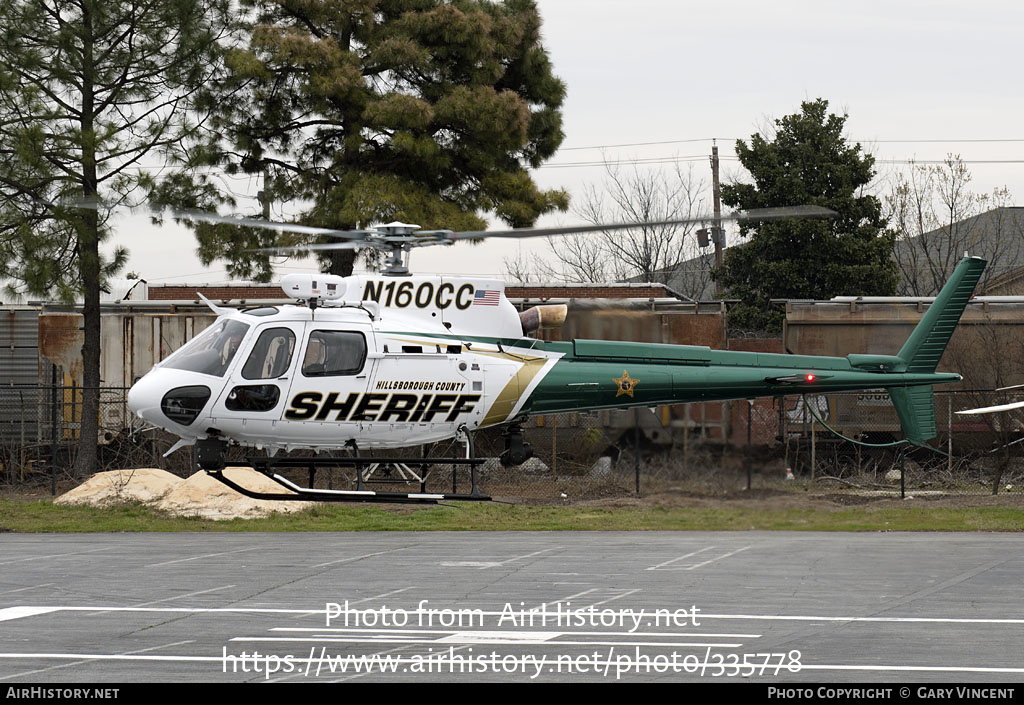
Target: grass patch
[43, 516]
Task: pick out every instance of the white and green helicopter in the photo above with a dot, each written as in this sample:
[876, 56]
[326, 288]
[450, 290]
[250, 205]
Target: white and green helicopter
[379, 361]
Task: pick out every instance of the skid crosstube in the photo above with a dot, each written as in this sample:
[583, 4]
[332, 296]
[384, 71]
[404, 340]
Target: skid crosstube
[296, 493]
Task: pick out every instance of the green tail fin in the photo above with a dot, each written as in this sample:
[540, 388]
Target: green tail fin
[926, 344]
[916, 405]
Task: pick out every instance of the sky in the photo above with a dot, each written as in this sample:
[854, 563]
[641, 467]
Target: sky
[918, 79]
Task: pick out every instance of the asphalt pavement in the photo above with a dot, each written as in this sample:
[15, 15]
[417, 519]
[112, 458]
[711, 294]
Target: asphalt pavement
[512, 607]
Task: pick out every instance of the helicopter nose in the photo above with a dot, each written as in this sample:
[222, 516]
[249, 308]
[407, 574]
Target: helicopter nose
[168, 400]
[144, 399]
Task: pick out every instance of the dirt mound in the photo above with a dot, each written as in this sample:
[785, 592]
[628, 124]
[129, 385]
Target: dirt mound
[199, 495]
[203, 496]
[104, 489]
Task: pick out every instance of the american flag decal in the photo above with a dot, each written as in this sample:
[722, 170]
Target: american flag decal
[486, 297]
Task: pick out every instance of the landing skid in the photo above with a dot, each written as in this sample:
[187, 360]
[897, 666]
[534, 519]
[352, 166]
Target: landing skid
[309, 494]
[211, 458]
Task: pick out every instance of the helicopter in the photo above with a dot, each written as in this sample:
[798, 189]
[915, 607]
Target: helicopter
[392, 359]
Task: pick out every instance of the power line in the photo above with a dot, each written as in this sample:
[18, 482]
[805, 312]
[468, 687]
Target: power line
[945, 140]
[644, 144]
[646, 160]
[690, 158]
[680, 160]
[943, 161]
[878, 141]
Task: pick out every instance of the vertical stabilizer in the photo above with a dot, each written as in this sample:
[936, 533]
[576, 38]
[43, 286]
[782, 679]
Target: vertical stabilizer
[916, 405]
[926, 344]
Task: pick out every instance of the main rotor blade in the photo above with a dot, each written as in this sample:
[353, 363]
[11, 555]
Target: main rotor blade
[241, 221]
[992, 409]
[446, 237]
[359, 244]
[203, 216]
[758, 214]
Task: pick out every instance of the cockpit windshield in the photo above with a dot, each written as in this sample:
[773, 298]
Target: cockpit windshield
[212, 351]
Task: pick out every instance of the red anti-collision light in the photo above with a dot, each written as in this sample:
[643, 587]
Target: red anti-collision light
[809, 377]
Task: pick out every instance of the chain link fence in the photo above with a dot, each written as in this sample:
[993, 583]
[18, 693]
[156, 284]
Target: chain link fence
[40, 430]
[706, 449]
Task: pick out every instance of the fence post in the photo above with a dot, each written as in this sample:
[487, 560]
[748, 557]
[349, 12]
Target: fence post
[53, 431]
[636, 444]
[814, 452]
[686, 438]
[783, 418]
[903, 473]
[750, 408]
[554, 444]
[949, 434]
[21, 450]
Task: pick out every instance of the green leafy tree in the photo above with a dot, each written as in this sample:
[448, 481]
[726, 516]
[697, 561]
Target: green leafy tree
[88, 89]
[806, 162]
[367, 111]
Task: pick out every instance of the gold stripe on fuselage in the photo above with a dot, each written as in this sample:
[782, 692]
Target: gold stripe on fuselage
[508, 398]
[506, 401]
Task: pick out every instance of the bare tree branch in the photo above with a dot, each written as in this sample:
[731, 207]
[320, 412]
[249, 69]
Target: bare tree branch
[665, 254]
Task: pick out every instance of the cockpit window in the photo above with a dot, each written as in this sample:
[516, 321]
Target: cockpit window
[212, 351]
[271, 356]
[332, 353]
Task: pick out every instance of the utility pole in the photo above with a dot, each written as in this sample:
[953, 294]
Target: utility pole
[717, 233]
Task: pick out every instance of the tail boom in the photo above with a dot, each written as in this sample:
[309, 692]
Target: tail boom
[596, 374]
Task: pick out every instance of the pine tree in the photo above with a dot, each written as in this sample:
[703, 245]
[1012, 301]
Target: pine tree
[365, 111]
[88, 89]
[806, 162]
